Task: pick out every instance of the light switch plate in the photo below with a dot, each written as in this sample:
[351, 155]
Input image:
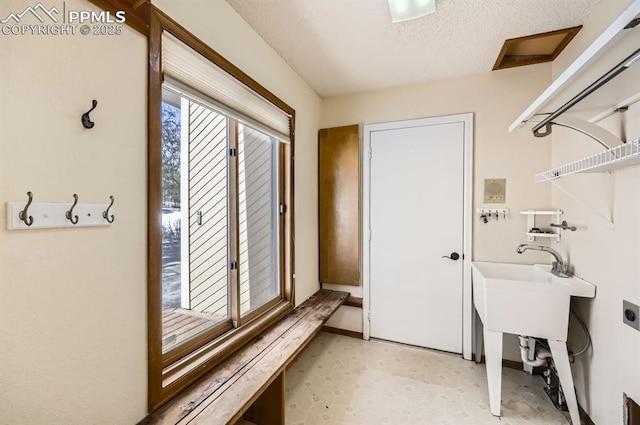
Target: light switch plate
[495, 191]
[631, 311]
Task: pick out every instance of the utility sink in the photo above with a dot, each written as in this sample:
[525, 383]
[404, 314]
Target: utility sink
[524, 300]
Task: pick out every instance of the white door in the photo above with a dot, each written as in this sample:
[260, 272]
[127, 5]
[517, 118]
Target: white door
[416, 218]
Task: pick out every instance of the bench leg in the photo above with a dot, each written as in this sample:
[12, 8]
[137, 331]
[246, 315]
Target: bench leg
[268, 409]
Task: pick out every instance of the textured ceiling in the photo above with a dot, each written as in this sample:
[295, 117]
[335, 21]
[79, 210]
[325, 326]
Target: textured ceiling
[347, 46]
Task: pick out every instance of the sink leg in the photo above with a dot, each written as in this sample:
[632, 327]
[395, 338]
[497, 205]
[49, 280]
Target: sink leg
[493, 358]
[478, 334]
[561, 360]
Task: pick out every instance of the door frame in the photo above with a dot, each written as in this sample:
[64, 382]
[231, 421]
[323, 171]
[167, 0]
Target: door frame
[467, 307]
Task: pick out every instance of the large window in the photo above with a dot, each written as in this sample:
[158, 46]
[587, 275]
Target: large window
[198, 179]
[220, 209]
[195, 220]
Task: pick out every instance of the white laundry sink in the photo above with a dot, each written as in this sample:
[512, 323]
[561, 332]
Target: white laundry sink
[525, 299]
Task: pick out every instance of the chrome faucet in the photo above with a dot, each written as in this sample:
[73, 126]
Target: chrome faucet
[558, 267]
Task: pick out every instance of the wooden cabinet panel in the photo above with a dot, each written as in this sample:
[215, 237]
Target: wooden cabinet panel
[339, 205]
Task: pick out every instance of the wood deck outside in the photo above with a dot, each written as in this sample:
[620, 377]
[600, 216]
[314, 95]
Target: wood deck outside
[178, 325]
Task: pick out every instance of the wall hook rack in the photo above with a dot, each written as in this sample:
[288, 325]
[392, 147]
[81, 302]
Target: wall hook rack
[24, 214]
[69, 214]
[57, 215]
[105, 214]
[487, 214]
[86, 120]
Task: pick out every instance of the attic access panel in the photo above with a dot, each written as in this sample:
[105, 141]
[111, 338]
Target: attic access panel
[536, 48]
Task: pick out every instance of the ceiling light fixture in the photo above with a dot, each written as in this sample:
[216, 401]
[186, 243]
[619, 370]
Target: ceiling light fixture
[405, 10]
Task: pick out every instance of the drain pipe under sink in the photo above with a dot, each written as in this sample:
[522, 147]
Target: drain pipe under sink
[540, 358]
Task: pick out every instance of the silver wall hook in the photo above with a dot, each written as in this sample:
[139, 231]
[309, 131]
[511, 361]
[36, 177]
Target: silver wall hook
[24, 214]
[105, 214]
[69, 214]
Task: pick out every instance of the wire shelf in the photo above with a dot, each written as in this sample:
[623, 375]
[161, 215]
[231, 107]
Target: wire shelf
[623, 156]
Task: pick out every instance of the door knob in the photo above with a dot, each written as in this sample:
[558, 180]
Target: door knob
[454, 256]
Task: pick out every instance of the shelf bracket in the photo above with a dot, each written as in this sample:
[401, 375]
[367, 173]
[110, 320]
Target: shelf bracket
[602, 136]
[604, 218]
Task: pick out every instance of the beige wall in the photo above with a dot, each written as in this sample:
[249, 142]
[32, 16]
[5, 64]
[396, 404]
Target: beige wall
[495, 98]
[601, 17]
[73, 301]
[73, 308]
[606, 258]
[218, 25]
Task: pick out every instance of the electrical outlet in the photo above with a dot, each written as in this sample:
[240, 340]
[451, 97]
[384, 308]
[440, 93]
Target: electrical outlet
[631, 314]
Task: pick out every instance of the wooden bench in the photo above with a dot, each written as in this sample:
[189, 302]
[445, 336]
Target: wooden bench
[249, 385]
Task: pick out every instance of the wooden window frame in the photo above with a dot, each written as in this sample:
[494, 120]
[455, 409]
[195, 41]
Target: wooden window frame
[137, 12]
[173, 371]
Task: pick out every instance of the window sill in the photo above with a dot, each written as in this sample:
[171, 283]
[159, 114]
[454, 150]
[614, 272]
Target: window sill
[185, 371]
